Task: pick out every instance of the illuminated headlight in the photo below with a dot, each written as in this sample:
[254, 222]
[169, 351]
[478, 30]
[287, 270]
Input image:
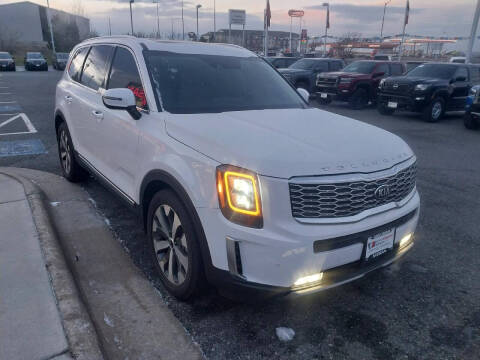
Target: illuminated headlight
[421, 87]
[380, 85]
[308, 280]
[238, 196]
[407, 239]
[345, 80]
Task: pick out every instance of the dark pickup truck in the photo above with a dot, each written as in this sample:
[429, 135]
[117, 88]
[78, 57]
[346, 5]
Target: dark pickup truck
[357, 83]
[430, 89]
[281, 62]
[303, 73]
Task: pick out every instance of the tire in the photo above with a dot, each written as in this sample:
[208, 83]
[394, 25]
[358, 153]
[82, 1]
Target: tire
[359, 99]
[470, 122]
[173, 244]
[71, 170]
[323, 101]
[384, 110]
[435, 110]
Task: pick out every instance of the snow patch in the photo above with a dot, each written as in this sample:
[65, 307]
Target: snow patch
[107, 320]
[107, 222]
[285, 334]
[55, 203]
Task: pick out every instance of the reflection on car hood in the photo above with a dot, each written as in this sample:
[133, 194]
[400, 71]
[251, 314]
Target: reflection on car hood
[413, 80]
[289, 142]
[288, 71]
[336, 74]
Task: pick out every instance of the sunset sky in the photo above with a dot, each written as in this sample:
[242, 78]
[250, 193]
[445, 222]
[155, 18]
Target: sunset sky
[428, 17]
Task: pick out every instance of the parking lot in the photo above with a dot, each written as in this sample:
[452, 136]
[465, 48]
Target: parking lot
[426, 307]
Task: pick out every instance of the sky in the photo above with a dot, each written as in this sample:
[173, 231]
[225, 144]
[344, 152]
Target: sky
[427, 17]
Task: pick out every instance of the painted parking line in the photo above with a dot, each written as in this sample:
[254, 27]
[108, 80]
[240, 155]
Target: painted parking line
[22, 147]
[21, 120]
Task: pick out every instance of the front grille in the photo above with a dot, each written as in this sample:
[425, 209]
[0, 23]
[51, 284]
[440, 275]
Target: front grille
[349, 198]
[327, 82]
[397, 89]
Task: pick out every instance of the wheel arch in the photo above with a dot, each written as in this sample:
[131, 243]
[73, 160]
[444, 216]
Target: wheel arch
[59, 118]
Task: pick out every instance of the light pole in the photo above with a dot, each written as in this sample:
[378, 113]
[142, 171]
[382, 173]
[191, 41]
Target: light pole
[131, 15]
[473, 33]
[214, 21]
[183, 24]
[51, 29]
[158, 19]
[198, 35]
[383, 18]
[327, 25]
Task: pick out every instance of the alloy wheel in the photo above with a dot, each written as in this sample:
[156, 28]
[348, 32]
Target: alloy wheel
[65, 153]
[436, 110]
[170, 244]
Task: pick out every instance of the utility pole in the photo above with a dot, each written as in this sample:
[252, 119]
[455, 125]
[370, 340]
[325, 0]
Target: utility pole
[198, 34]
[50, 25]
[291, 25]
[183, 24]
[327, 25]
[109, 27]
[158, 20]
[214, 21]
[131, 15]
[383, 19]
[473, 33]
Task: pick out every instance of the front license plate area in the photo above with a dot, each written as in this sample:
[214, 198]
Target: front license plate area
[392, 105]
[324, 95]
[379, 244]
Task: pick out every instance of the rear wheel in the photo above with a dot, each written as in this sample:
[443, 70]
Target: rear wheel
[71, 170]
[359, 99]
[470, 122]
[385, 110]
[174, 245]
[435, 110]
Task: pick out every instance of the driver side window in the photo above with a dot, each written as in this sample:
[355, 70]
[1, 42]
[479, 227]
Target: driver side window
[461, 72]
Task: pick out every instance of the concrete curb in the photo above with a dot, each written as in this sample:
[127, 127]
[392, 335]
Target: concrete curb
[78, 327]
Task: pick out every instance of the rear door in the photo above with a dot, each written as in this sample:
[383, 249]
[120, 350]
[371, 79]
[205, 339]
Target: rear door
[460, 89]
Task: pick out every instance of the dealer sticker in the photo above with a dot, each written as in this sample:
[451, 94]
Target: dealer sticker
[379, 244]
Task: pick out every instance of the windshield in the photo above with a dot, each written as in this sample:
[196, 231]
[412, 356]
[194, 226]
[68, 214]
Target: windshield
[303, 64]
[62, 56]
[437, 71]
[5, 56]
[189, 84]
[34, 56]
[361, 67]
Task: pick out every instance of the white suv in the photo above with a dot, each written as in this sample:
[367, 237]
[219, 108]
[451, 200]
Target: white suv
[237, 181]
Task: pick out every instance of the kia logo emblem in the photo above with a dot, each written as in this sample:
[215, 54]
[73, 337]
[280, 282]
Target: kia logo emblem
[382, 192]
[395, 86]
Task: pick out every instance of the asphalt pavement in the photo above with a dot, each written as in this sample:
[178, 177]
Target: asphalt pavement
[426, 307]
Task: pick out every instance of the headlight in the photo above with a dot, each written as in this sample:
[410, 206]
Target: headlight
[473, 90]
[421, 87]
[345, 80]
[380, 84]
[238, 196]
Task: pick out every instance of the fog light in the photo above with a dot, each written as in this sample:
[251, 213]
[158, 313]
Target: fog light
[406, 240]
[308, 279]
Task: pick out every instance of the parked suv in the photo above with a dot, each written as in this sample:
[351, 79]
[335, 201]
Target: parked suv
[235, 178]
[281, 62]
[6, 62]
[357, 83]
[303, 73]
[471, 118]
[35, 61]
[430, 89]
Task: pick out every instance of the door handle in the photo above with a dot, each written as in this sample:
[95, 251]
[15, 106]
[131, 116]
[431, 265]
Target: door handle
[69, 99]
[97, 114]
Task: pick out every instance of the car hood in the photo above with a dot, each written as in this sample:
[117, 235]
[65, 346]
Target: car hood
[293, 71]
[337, 74]
[289, 142]
[414, 80]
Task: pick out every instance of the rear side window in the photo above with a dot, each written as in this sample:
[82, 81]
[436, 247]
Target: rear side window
[75, 68]
[95, 67]
[321, 66]
[461, 72]
[335, 65]
[397, 69]
[124, 74]
[475, 74]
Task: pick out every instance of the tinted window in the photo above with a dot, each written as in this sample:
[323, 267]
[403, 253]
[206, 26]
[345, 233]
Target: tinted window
[361, 67]
[124, 74]
[279, 63]
[397, 69]
[321, 66]
[304, 64]
[75, 68]
[475, 74]
[34, 56]
[436, 71]
[95, 67]
[190, 84]
[461, 72]
[336, 65]
[383, 68]
[5, 56]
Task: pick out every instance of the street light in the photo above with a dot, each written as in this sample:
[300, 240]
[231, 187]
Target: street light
[383, 19]
[326, 28]
[131, 16]
[183, 24]
[50, 25]
[198, 35]
[214, 21]
[158, 19]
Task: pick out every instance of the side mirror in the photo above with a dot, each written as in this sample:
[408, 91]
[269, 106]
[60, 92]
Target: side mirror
[378, 74]
[304, 94]
[121, 99]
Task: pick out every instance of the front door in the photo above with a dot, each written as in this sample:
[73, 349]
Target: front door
[460, 89]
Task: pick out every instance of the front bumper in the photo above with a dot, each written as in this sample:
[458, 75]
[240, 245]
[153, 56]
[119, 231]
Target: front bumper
[334, 92]
[273, 258]
[7, 67]
[414, 102]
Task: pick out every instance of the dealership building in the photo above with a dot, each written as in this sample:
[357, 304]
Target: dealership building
[27, 23]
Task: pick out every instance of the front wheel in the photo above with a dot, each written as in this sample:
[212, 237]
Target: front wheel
[174, 245]
[435, 110]
[385, 110]
[71, 170]
[359, 99]
[470, 122]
